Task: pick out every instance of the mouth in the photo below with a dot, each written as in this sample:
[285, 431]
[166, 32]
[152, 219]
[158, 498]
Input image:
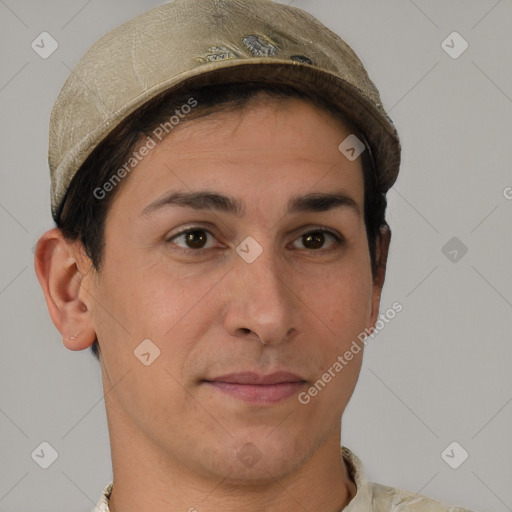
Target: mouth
[256, 388]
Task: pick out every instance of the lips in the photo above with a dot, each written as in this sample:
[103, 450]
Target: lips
[257, 379]
[258, 389]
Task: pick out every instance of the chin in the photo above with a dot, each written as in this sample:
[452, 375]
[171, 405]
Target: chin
[256, 459]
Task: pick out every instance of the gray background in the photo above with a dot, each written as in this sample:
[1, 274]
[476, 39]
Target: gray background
[439, 372]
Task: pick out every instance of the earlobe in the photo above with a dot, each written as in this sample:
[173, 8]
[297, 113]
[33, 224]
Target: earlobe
[58, 271]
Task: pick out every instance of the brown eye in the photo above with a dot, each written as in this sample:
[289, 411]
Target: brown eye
[192, 238]
[315, 240]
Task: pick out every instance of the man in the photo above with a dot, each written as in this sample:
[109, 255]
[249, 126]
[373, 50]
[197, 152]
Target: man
[219, 171]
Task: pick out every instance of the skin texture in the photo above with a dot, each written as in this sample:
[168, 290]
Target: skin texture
[176, 439]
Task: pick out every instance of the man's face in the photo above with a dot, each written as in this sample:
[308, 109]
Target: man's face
[214, 306]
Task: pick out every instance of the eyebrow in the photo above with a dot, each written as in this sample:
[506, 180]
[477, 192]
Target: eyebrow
[203, 200]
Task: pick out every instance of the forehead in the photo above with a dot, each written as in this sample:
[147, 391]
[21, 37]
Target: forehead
[294, 115]
[266, 145]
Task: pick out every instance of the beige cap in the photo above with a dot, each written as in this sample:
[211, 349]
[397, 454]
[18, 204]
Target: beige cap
[201, 42]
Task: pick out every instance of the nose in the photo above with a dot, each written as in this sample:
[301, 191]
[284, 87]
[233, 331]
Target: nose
[262, 305]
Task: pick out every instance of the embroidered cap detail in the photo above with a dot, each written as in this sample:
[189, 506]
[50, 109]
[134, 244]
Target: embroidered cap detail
[219, 53]
[258, 46]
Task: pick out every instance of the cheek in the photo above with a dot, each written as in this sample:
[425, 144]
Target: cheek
[349, 313]
[355, 301]
[156, 301]
[343, 305]
[342, 299]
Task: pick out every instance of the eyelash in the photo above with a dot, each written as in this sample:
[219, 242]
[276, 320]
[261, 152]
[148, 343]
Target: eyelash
[338, 239]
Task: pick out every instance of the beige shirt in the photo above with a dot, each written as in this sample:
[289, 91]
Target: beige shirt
[370, 497]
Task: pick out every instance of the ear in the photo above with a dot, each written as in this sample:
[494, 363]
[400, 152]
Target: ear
[60, 269]
[382, 249]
